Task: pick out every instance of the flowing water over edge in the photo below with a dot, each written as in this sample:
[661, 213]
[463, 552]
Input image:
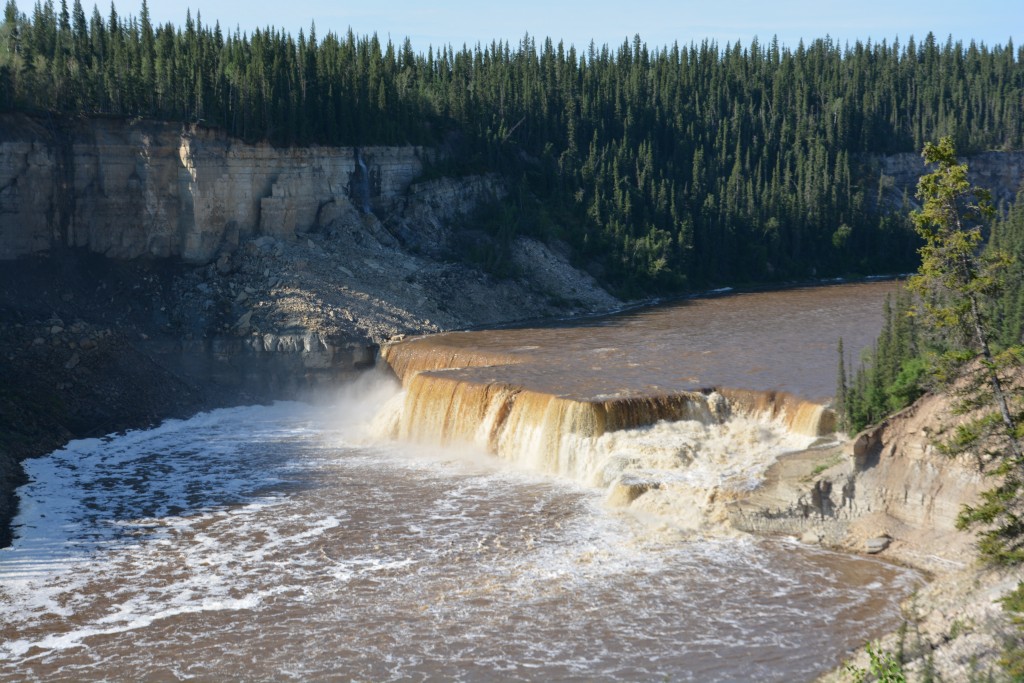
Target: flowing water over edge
[275, 543]
[283, 542]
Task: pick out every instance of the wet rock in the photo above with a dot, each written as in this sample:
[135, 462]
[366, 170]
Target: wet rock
[875, 545]
[625, 491]
[243, 322]
[72, 362]
[810, 537]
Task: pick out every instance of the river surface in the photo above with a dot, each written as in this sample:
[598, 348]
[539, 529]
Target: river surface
[286, 542]
[776, 340]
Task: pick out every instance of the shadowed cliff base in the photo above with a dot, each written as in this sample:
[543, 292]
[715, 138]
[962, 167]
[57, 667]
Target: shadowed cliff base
[91, 345]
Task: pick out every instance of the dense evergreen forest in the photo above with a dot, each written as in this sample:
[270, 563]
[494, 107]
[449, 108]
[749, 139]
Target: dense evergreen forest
[904, 361]
[664, 169]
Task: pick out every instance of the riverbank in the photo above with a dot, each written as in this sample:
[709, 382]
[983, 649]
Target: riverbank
[889, 492]
[93, 346]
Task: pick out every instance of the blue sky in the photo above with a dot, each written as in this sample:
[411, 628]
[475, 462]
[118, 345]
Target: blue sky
[439, 22]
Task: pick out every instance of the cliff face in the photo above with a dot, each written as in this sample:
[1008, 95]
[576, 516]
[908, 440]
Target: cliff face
[280, 265]
[890, 482]
[129, 189]
[1002, 173]
[890, 491]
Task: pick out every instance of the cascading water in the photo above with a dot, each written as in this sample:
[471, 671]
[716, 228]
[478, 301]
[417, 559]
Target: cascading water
[361, 183]
[694, 446]
[527, 397]
[282, 543]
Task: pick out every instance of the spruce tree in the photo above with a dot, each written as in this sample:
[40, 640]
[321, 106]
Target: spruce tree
[955, 282]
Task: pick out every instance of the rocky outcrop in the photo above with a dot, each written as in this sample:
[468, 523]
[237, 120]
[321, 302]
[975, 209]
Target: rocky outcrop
[890, 482]
[127, 188]
[422, 219]
[890, 492]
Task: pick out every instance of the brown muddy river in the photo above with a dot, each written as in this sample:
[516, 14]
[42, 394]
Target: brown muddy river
[287, 542]
[780, 340]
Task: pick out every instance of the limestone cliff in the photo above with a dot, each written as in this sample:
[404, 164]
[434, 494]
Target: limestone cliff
[890, 482]
[1002, 173]
[126, 188]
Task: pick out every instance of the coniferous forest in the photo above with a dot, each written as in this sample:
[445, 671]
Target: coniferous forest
[903, 362]
[664, 168]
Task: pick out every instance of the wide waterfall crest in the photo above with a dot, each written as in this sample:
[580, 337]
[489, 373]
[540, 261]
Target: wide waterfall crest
[680, 455]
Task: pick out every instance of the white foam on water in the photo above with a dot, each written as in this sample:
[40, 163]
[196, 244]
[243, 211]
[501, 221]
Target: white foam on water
[679, 472]
[121, 506]
[273, 542]
[688, 470]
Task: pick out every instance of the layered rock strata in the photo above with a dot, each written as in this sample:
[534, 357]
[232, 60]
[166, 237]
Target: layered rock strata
[891, 492]
[129, 189]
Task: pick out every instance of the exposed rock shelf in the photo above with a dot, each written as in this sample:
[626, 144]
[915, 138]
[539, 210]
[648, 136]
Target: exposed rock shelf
[891, 492]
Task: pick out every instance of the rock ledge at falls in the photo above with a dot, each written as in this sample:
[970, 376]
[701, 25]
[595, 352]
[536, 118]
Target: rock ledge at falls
[890, 492]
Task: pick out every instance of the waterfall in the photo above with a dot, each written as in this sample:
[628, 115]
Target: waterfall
[697, 447]
[361, 183]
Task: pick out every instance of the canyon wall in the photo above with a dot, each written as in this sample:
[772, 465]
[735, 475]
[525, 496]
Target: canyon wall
[1002, 173]
[127, 189]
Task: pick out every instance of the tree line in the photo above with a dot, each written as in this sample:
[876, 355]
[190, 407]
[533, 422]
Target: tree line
[907, 359]
[664, 169]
